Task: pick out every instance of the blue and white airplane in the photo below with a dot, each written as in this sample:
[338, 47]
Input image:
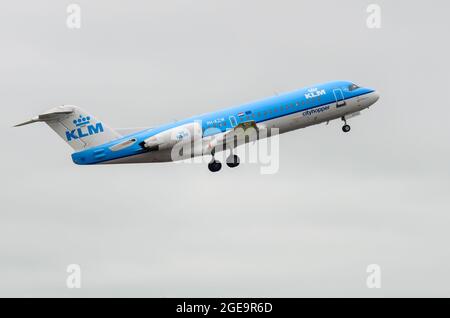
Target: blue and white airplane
[96, 143]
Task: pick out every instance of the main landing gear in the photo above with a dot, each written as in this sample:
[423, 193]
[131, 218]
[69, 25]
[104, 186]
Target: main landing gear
[233, 161]
[215, 165]
[345, 128]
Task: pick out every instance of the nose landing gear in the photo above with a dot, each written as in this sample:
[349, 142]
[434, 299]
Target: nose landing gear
[345, 128]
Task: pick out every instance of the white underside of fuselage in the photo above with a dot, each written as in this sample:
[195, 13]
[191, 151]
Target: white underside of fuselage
[284, 124]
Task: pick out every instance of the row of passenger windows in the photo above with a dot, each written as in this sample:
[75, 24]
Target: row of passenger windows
[268, 112]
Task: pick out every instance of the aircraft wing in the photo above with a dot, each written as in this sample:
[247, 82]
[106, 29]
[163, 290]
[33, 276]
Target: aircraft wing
[237, 135]
[246, 127]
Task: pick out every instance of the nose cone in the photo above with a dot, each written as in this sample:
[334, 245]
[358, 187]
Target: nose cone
[373, 97]
[376, 96]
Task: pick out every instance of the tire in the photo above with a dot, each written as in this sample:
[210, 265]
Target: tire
[214, 166]
[233, 161]
[346, 128]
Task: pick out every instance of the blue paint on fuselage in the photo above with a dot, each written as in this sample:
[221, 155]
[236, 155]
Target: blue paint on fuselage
[259, 111]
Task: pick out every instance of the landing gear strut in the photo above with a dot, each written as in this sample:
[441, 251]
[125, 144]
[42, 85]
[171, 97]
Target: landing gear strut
[214, 165]
[345, 128]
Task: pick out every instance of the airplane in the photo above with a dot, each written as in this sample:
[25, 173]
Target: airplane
[94, 142]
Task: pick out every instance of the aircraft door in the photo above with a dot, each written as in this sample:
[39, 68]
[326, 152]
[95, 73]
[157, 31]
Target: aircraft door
[233, 121]
[339, 97]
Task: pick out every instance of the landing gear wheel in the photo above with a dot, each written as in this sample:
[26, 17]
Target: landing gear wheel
[214, 165]
[233, 161]
[346, 128]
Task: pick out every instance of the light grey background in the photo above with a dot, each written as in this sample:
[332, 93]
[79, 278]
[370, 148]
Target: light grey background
[339, 202]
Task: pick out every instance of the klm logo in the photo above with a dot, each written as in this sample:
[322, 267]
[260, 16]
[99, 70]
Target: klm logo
[83, 128]
[314, 92]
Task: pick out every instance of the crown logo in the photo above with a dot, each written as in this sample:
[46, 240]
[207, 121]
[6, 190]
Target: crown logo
[81, 121]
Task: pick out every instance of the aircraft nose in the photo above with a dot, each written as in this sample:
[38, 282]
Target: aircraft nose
[374, 96]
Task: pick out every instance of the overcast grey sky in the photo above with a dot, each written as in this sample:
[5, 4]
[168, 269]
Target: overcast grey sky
[339, 202]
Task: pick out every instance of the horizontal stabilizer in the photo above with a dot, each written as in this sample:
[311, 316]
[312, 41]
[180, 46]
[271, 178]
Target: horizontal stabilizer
[52, 114]
[32, 120]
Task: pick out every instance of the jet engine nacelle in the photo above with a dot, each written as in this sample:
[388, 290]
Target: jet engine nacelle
[180, 134]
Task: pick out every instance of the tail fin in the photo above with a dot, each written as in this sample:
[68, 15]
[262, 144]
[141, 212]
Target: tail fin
[75, 126]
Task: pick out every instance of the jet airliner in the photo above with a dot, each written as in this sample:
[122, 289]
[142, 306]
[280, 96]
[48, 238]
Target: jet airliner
[94, 142]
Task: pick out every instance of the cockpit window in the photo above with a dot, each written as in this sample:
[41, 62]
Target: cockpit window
[352, 87]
